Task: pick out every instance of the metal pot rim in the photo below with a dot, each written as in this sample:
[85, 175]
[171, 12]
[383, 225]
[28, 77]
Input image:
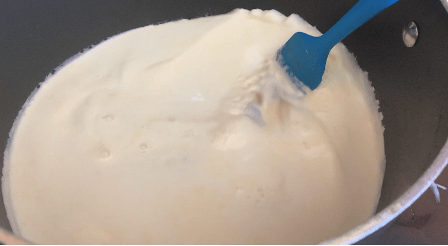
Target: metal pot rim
[370, 226]
[376, 222]
[398, 206]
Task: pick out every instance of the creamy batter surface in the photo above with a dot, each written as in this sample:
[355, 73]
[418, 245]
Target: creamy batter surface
[188, 132]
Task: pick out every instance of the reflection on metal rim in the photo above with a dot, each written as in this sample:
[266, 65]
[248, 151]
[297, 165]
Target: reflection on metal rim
[396, 208]
[445, 4]
[7, 238]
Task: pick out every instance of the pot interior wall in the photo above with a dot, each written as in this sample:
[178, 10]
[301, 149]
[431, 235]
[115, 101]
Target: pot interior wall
[411, 83]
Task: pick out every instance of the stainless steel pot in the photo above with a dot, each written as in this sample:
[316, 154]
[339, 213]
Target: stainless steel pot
[411, 83]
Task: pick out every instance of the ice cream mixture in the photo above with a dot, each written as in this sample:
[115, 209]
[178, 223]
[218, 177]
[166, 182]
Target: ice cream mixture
[188, 132]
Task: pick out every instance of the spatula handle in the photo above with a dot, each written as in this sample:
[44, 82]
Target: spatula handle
[363, 11]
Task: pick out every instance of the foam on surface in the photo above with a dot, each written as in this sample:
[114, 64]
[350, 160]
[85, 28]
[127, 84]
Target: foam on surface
[188, 133]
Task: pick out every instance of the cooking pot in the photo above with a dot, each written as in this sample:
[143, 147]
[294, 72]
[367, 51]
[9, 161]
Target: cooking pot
[410, 83]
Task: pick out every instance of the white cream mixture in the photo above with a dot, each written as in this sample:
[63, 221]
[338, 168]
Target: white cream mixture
[187, 132]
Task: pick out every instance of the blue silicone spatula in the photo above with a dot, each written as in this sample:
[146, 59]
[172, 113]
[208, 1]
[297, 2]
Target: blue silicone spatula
[305, 56]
